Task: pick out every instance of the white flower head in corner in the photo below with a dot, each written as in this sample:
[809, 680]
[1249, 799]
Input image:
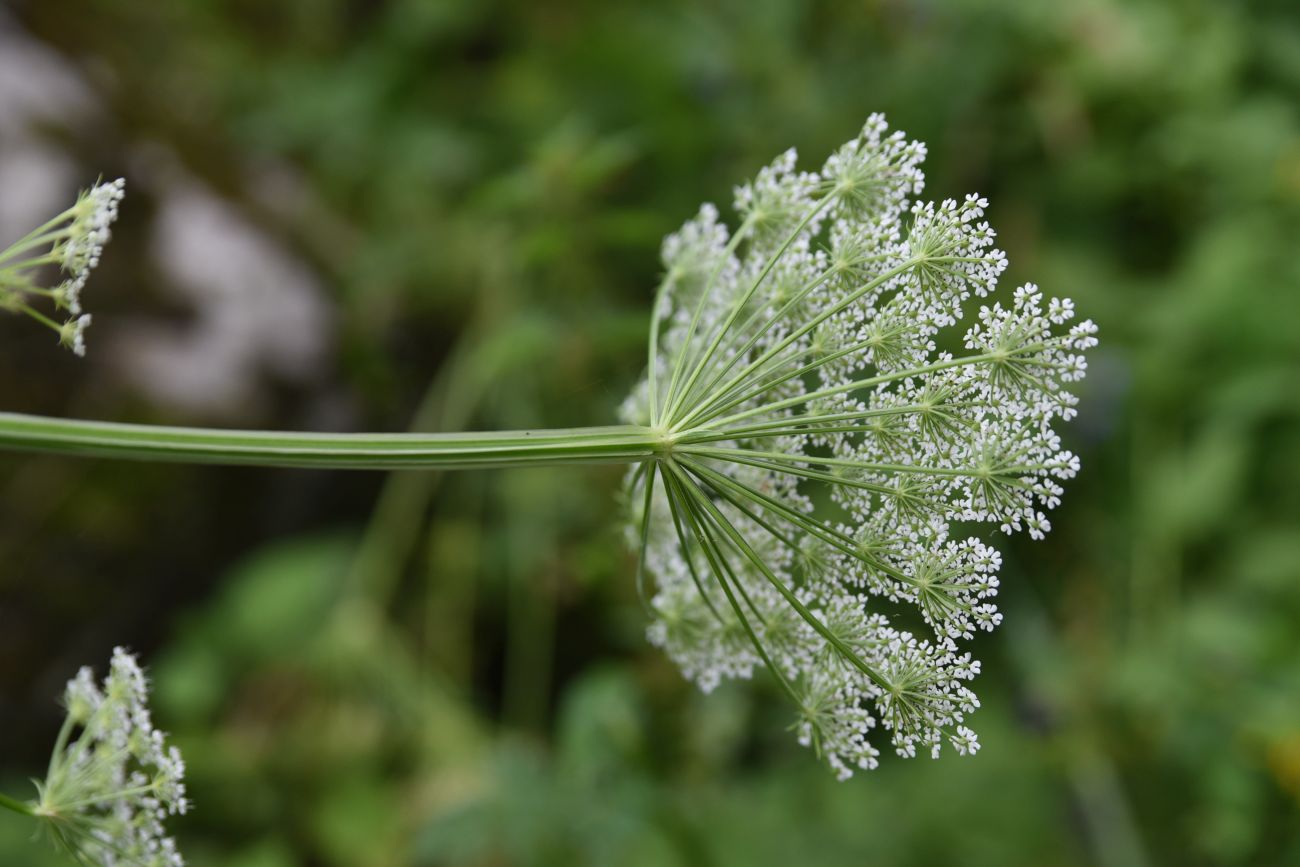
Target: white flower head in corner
[113, 781]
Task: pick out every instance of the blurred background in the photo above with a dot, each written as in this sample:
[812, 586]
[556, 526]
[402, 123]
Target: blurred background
[350, 215]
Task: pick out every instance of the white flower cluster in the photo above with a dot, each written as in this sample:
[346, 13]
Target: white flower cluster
[73, 333]
[109, 791]
[73, 242]
[92, 216]
[821, 445]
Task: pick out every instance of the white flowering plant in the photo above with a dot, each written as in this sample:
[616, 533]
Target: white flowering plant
[814, 471]
[109, 789]
[70, 244]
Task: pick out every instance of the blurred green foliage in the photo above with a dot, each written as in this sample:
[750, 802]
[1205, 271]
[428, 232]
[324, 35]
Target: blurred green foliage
[451, 670]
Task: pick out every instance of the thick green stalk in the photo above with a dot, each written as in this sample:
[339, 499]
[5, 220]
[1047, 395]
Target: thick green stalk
[595, 445]
[17, 806]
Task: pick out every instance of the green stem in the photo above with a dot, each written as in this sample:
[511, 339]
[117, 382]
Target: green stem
[17, 806]
[915, 469]
[809, 423]
[652, 357]
[595, 445]
[25, 265]
[684, 540]
[800, 521]
[738, 542]
[774, 351]
[767, 356]
[855, 385]
[704, 360]
[40, 317]
[683, 352]
[131, 792]
[47, 226]
[31, 243]
[722, 571]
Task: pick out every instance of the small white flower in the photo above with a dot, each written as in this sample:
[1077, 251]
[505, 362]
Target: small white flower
[67, 295]
[73, 334]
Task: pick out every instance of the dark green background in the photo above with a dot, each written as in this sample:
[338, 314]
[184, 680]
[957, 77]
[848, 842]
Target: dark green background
[481, 188]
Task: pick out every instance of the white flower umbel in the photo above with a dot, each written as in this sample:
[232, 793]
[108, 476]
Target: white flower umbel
[72, 244]
[112, 780]
[820, 444]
